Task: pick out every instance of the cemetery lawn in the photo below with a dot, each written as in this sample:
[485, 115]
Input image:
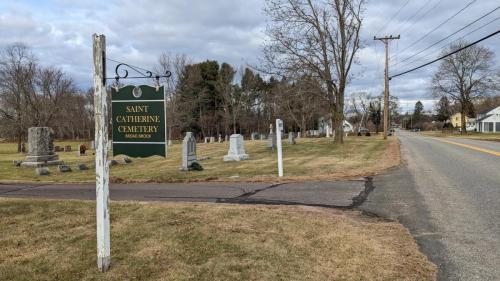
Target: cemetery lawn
[55, 240]
[309, 159]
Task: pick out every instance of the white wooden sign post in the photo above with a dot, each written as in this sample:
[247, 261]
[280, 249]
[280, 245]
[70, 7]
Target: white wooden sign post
[279, 129]
[101, 152]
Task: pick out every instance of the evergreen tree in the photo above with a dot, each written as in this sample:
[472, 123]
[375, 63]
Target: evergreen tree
[417, 114]
[443, 109]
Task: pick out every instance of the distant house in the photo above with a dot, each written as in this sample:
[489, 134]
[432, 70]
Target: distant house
[489, 122]
[456, 121]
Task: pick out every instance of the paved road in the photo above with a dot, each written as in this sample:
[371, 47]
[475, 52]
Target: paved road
[346, 194]
[448, 196]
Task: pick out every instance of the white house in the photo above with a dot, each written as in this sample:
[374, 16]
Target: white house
[489, 122]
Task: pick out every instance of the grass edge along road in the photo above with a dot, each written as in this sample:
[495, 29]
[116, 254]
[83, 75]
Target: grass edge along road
[473, 147]
[309, 159]
[55, 240]
[469, 135]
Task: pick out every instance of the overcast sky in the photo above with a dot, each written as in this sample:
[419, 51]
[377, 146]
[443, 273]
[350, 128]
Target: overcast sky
[137, 32]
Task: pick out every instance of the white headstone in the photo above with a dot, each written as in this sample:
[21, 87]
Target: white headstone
[188, 151]
[212, 140]
[236, 149]
[291, 138]
[207, 139]
[220, 138]
[298, 135]
[327, 131]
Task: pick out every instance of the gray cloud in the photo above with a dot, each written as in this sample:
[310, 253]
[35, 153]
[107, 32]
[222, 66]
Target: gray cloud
[59, 31]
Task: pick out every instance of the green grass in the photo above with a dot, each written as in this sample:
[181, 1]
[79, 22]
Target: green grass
[55, 240]
[469, 135]
[309, 158]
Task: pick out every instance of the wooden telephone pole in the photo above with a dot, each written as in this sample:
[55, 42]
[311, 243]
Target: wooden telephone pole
[385, 40]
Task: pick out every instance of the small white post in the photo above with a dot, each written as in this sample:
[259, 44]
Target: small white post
[101, 153]
[279, 129]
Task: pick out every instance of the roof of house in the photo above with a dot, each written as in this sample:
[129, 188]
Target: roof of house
[486, 111]
[484, 117]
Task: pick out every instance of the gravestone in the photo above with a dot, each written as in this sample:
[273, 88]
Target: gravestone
[82, 167]
[188, 152]
[206, 139]
[220, 138]
[298, 135]
[226, 138]
[67, 148]
[23, 147]
[64, 168]
[291, 138]
[92, 145]
[254, 136]
[81, 150]
[271, 139]
[327, 131]
[41, 148]
[262, 137]
[236, 149]
[212, 140]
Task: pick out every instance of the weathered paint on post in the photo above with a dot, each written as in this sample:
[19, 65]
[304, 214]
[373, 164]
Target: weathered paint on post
[101, 153]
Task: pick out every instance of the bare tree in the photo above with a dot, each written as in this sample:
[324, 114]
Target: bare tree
[320, 38]
[465, 77]
[176, 64]
[17, 67]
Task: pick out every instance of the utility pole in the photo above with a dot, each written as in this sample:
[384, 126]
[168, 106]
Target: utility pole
[385, 40]
[101, 153]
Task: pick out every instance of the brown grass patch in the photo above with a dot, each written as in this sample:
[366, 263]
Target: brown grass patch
[55, 240]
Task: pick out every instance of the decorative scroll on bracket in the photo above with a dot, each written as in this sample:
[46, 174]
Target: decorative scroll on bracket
[122, 67]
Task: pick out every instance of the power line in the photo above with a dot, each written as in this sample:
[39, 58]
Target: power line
[434, 44]
[439, 26]
[394, 16]
[414, 14]
[447, 55]
[448, 44]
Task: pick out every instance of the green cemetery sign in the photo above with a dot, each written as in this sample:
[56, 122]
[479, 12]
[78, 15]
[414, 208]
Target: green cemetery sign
[138, 114]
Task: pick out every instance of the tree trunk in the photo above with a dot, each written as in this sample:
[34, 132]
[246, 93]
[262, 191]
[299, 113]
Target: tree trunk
[464, 125]
[338, 119]
[19, 141]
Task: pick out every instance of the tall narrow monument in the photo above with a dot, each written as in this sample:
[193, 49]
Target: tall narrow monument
[271, 139]
[40, 148]
[188, 151]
